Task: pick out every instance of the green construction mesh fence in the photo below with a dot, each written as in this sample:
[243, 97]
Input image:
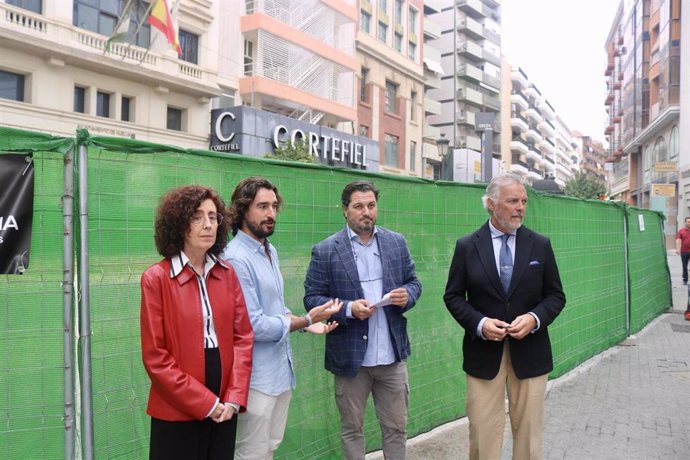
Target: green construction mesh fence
[126, 179]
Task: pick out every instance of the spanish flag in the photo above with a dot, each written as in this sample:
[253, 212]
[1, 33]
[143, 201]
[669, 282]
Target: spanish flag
[161, 19]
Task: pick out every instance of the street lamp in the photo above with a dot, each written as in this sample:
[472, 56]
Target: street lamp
[442, 144]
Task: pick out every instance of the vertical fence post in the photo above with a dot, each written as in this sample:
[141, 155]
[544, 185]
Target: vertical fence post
[84, 320]
[626, 242]
[68, 299]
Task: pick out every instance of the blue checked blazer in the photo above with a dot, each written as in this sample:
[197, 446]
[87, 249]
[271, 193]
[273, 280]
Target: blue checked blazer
[333, 274]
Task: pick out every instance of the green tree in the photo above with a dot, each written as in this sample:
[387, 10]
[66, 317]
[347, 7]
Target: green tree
[298, 152]
[585, 185]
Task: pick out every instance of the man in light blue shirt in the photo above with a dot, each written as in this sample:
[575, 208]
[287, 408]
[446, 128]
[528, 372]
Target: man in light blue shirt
[252, 212]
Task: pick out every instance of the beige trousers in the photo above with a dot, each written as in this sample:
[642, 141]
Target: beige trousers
[486, 413]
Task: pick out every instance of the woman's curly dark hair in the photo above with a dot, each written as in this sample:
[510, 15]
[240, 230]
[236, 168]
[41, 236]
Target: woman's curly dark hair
[244, 195]
[175, 212]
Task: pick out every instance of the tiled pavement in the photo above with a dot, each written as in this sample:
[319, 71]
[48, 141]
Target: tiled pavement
[631, 402]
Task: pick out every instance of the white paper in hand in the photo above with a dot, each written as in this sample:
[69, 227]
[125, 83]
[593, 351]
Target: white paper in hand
[385, 300]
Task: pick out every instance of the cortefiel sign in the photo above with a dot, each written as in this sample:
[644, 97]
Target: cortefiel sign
[249, 131]
[16, 212]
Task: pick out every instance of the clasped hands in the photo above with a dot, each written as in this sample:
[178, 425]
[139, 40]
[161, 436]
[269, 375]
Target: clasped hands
[362, 308]
[222, 412]
[497, 330]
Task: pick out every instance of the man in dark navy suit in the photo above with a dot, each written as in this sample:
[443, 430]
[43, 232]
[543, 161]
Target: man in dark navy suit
[504, 290]
[370, 269]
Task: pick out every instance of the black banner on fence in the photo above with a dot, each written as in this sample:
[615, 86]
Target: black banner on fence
[16, 212]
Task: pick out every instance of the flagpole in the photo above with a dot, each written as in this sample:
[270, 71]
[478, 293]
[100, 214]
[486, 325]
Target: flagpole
[136, 32]
[174, 8]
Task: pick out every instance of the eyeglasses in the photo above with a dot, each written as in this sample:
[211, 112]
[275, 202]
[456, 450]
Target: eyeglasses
[213, 218]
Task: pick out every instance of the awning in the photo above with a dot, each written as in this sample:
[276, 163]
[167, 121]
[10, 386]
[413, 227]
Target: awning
[434, 66]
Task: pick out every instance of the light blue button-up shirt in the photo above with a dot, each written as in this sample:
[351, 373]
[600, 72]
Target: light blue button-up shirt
[370, 270]
[262, 286]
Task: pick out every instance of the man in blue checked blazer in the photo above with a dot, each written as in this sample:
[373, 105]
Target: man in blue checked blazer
[504, 290]
[370, 269]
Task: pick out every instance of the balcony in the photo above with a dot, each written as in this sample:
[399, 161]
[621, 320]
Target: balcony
[518, 76]
[85, 49]
[431, 132]
[547, 128]
[531, 92]
[470, 142]
[533, 155]
[432, 30]
[431, 106]
[535, 174]
[471, 28]
[471, 50]
[519, 100]
[518, 145]
[466, 118]
[471, 7]
[492, 102]
[547, 147]
[609, 99]
[469, 72]
[470, 95]
[432, 81]
[532, 113]
[516, 121]
[533, 136]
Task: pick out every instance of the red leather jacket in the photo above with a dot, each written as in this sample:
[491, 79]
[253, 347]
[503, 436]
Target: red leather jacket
[172, 340]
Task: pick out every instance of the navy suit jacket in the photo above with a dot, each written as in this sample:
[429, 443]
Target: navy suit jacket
[333, 274]
[474, 291]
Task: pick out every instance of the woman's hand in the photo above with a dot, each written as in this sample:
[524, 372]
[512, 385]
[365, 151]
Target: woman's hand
[222, 412]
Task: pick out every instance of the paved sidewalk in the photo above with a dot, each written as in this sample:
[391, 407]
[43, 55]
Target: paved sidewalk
[631, 402]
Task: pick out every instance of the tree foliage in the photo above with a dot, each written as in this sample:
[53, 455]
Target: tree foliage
[585, 185]
[298, 152]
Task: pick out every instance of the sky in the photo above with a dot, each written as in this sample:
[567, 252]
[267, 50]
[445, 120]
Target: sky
[559, 45]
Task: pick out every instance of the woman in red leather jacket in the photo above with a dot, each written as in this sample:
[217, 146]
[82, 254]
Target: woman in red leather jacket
[196, 338]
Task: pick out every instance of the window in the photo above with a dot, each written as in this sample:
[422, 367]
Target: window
[249, 6]
[397, 42]
[225, 100]
[413, 156]
[398, 11]
[102, 104]
[11, 86]
[413, 105]
[79, 99]
[31, 5]
[412, 22]
[391, 97]
[383, 5]
[411, 50]
[174, 119]
[383, 32]
[248, 57]
[363, 85]
[673, 144]
[660, 154]
[364, 130]
[391, 153]
[365, 22]
[102, 16]
[189, 43]
[125, 109]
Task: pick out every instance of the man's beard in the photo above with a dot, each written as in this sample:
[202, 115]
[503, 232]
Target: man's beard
[259, 232]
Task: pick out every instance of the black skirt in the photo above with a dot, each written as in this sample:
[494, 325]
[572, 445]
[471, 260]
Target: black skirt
[200, 440]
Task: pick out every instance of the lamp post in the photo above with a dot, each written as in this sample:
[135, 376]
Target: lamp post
[442, 144]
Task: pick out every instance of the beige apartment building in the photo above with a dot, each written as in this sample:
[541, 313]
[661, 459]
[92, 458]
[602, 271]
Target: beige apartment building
[535, 142]
[346, 76]
[56, 77]
[644, 105]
